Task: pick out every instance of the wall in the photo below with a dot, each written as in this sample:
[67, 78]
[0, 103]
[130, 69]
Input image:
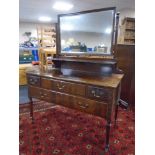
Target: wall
[28, 27]
[127, 13]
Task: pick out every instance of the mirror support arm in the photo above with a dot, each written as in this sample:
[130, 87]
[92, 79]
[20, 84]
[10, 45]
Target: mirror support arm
[116, 31]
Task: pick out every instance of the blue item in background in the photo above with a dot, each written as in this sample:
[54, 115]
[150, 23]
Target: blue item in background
[89, 49]
[35, 54]
[67, 49]
[36, 58]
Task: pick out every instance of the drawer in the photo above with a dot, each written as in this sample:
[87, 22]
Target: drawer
[82, 104]
[33, 80]
[90, 106]
[67, 87]
[64, 99]
[46, 95]
[70, 101]
[42, 94]
[46, 83]
[97, 93]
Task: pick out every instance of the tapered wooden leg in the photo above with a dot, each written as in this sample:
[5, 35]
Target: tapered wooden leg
[117, 103]
[116, 111]
[31, 108]
[107, 135]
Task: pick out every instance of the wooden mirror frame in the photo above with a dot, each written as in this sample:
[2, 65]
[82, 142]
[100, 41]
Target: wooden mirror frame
[86, 55]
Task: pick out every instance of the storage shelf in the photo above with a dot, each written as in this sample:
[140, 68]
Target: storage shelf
[129, 38]
[48, 34]
[127, 31]
[47, 39]
[130, 29]
[28, 48]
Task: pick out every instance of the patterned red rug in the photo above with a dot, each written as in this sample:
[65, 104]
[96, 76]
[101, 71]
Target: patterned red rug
[24, 108]
[62, 131]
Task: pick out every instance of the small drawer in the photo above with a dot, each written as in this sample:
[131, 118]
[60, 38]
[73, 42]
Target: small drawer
[41, 94]
[33, 80]
[97, 93]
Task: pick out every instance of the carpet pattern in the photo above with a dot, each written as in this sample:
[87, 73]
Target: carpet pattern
[62, 131]
[37, 105]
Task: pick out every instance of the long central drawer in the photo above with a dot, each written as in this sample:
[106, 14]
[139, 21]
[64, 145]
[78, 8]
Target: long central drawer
[71, 101]
[63, 86]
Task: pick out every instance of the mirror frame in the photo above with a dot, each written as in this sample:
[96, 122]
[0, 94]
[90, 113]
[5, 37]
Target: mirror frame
[85, 12]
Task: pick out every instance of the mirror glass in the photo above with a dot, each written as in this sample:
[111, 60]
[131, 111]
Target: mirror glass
[87, 33]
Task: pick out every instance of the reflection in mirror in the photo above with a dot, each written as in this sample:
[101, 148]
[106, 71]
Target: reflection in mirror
[87, 33]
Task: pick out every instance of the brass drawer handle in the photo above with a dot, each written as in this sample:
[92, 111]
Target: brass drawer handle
[60, 87]
[32, 82]
[43, 94]
[35, 80]
[94, 94]
[83, 106]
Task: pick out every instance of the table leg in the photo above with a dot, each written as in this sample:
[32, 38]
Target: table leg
[117, 103]
[116, 111]
[31, 108]
[107, 135]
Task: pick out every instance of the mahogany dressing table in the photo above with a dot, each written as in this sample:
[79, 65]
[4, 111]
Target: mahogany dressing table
[86, 82]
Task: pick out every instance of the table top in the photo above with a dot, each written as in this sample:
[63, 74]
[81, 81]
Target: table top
[111, 81]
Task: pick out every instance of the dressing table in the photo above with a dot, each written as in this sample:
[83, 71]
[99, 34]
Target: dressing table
[82, 79]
